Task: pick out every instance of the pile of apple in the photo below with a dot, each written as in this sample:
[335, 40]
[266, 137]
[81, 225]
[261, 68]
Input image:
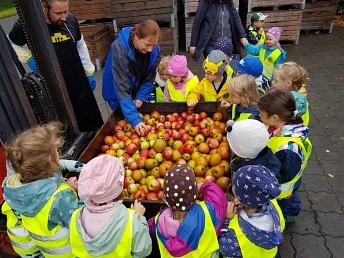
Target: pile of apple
[187, 138]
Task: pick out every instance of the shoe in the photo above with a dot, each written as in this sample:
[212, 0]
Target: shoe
[291, 219]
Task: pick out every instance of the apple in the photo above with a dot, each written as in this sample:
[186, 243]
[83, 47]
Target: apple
[155, 172]
[136, 141]
[119, 135]
[195, 155]
[152, 153]
[146, 117]
[193, 131]
[191, 163]
[125, 193]
[165, 167]
[191, 142]
[161, 195]
[218, 171]
[203, 125]
[162, 182]
[154, 185]
[176, 135]
[199, 170]
[126, 155]
[128, 172]
[213, 143]
[144, 153]
[188, 148]
[186, 156]
[180, 161]
[111, 152]
[109, 140]
[105, 148]
[183, 115]
[217, 116]
[121, 144]
[151, 163]
[210, 179]
[159, 157]
[199, 138]
[161, 119]
[200, 180]
[159, 145]
[177, 144]
[226, 166]
[141, 162]
[170, 142]
[132, 165]
[185, 137]
[152, 196]
[205, 132]
[168, 125]
[140, 194]
[144, 187]
[176, 155]
[149, 178]
[190, 118]
[152, 136]
[167, 136]
[128, 181]
[203, 148]
[167, 154]
[131, 148]
[155, 114]
[122, 122]
[223, 182]
[123, 160]
[135, 156]
[203, 115]
[215, 159]
[136, 175]
[224, 151]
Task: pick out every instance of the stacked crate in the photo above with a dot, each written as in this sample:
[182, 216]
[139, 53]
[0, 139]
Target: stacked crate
[190, 12]
[286, 14]
[319, 15]
[164, 12]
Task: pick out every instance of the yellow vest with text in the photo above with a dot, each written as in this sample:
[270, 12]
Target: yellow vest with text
[208, 245]
[269, 61]
[159, 94]
[52, 243]
[18, 234]
[176, 95]
[262, 38]
[122, 250]
[249, 249]
[243, 116]
[306, 146]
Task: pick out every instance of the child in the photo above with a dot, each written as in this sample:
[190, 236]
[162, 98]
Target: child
[252, 66]
[104, 226]
[189, 227]
[160, 81]
[254, 222]
[247, 140]
[244, 98]
[214, 86]
[289, 141]
[292, 77]
[254, 32]
[270, 53]
[38, 202]
[225, 45]
[181, 81]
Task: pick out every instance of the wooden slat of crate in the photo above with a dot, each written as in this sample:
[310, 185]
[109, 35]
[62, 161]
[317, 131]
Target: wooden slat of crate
[319, 15]
[90, 9]
[190, 6]
[274, 4]
[188, 29]
[169, 42]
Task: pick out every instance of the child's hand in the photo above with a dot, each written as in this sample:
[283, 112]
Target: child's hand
[260, 31]
[73, 183]
[225, 104]
[244, 41]
[231, 210]
[138, 207]
[191, 104]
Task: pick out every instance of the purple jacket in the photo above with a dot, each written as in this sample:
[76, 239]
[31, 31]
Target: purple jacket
[204, 25]
[184, 238]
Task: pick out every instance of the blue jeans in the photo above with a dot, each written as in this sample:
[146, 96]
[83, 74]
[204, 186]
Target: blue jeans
[207, 51]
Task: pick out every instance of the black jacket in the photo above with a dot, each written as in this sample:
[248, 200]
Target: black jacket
[204, 25]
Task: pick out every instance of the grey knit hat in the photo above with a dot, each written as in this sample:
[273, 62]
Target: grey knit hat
[215, 63]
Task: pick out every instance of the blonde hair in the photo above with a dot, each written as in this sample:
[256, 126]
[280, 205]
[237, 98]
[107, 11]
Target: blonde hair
[32, 152]
[293, 72]
[165, 60]
[246, 88]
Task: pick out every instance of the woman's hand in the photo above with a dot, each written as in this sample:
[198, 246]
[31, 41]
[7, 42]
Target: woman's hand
[138, 103]
[192, 50]
[141, 128]
[138, 207]
[225, 104]
[231, 210]
[244, 41]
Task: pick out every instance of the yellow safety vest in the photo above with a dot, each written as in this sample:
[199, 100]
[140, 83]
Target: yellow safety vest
[262, 38]
[18, 234]
[176, 95]
[123, 249]
[210, 94]
[159, 94]
[230, 71]
[305, 116]
[52, 243]
[249, 249]
[269, 61]
[306, 146]
[243, 116]
[208, 245]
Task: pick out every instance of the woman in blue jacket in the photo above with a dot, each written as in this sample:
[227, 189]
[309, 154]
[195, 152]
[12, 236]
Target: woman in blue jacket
[215, 18]
[130, 70]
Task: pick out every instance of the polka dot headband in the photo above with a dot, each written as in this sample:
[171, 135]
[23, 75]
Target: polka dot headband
[180, 188]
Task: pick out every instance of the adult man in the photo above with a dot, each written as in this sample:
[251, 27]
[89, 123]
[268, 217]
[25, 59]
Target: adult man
[73, 57]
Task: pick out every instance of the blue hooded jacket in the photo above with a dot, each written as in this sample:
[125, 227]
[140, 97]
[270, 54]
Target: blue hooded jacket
[120, 82]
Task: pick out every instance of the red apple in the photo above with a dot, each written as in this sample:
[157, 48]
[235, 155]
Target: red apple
[152, 196]
[161, 195]
[131, 148]
[140, 194]
[190, 118]
[154, 185]
[188, 148]
[128, 181]
[210, 179]
[167, 154]
[109, 140]
[105, 148]
[185, 137]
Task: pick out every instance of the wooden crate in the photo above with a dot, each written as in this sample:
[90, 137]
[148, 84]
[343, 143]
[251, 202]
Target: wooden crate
[319, 15]
[90, 9]
[276, 5]
[188, 30]
[98, 40]
[288, 21]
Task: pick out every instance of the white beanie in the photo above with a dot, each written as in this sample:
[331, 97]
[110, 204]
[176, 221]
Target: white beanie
[247, 138]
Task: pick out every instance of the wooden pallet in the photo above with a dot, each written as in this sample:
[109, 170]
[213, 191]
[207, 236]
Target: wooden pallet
[319, 15]
[98, 39]
[90, 9]
[288, 21]
[275, 5]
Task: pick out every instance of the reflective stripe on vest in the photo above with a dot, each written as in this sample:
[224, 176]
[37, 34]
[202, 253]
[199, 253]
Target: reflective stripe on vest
[269, 61]
[306, 147]
[19, 236]
[305, 116]
[208, 245]
[262, 38]
[52, 243]
[122, 250]
[249, 249]
[176, 95]
[242, 116]
[159, 94]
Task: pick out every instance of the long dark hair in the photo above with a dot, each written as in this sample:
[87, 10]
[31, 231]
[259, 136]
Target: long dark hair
[281, 103]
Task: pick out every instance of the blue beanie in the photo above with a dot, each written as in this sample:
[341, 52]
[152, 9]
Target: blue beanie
[225, 45]
[255, 185]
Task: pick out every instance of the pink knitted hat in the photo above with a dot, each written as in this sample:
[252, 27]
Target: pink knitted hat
[275, 32]
[101, 179]
[178, 66]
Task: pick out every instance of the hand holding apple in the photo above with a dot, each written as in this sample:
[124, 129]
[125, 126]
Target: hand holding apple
[138, 207]
[141, 129]
[225, 104]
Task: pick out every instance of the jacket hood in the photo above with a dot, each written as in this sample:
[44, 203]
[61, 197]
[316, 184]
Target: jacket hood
[298, 130]
[301, 102]
[29, 199]
[263, 238]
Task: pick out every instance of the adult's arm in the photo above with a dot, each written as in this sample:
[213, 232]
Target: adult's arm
[85, 56]
[122, 86]
[18, 40]
[200, 12]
